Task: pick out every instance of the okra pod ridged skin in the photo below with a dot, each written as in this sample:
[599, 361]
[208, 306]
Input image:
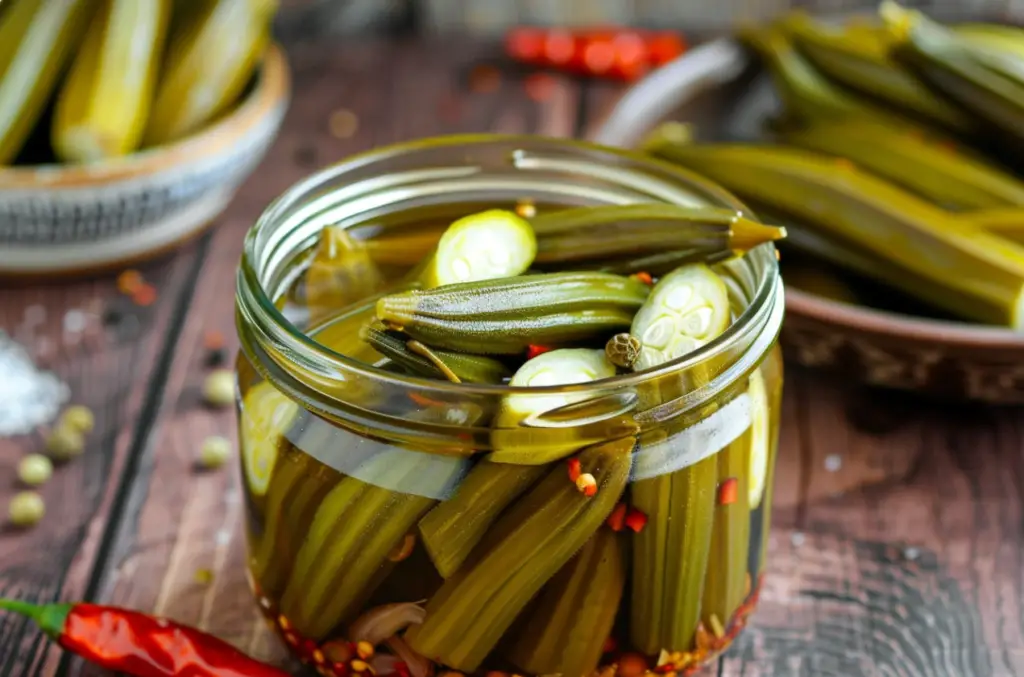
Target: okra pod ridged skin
[523, 551]
[730, 536]
[806, 94]
[468, 368]
[934, 169]
[1007, 222]
[104, 103]
[297, 486]
[508, 315]
[598, 233]
[345, 551]
[37, 39]
[942, 258]
[453, 528]
[864, 63]
[566, 633]
[947, 61]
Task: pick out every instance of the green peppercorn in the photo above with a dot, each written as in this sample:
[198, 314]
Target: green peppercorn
[219, 388]
[78, 417]
[35, 470]
[26, 509]
[64, 443]
[215, 452]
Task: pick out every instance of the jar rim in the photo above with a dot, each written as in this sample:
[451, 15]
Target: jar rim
[314, 356]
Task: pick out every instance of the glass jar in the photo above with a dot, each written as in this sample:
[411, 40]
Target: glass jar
[380, 536]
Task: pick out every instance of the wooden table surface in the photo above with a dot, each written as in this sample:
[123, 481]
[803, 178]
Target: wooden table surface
[897, 546]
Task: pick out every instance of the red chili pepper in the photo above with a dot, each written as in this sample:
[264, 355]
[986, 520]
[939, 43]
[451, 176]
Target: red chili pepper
[621, 53]
[575, 469]
[534, 351]
[137, 644]
[636, 520]
[618, 517]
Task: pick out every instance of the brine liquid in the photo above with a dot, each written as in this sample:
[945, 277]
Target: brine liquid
[336, 536]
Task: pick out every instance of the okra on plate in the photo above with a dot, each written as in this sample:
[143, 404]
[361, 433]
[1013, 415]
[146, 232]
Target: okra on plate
[531, 435]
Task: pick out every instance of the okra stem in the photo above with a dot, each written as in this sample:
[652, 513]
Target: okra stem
[468, 368]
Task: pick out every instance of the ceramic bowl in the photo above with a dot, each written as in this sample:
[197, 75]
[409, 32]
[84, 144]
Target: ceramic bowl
[719, 88]
[72, 218]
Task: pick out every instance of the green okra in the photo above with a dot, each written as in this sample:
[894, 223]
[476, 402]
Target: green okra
[991, 89]
[488, 245]
[468, 368]
[687, 308]
[452, 529]
[518, 438]
[599, 233]
[1005, 222]
[345, 552]
[526, 547]
[506, 316]
[297, 486]
[863, 61]
[726, 576]
[566, 633]
[806, 94]
[933, 168]
[931, 253]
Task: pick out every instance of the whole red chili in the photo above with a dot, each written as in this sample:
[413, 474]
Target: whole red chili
[137, 644]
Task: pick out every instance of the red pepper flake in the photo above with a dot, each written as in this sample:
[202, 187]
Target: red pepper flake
[617, 519]
[559, 47]
[340, 669]
[610, 645]
[129, 281]
[534, 351]
[145, 295]
[575, 469]
[291, 638]
[643, 276]
[308, 647]
[402, 668]
[587, 485]
[727, 491]
[423, 400]
[632, 665]
[664, 669]
[213, 340]
[636, 520]
[338, 651]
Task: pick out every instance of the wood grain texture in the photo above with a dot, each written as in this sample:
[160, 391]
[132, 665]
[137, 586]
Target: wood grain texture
[111, 373]
[897, 546]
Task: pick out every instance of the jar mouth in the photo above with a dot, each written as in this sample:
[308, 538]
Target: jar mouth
[263, 315]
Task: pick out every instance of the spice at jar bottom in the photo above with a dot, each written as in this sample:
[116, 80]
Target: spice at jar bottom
[478, 487]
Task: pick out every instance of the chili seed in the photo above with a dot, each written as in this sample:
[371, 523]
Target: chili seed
[219, 388]
[365, 650]
[359, 666]
[26, 509]
[78, 417]
[215, 452]
[64, 443]
[35, 470]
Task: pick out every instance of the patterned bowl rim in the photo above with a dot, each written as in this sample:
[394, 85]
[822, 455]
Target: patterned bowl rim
[715, 64]
[271, 89]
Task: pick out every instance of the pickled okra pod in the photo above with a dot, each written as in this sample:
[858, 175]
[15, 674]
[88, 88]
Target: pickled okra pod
[344, 555]
[936, 255]
[599, 233]
[986, 87]
[686, 309]
[518, 437]
[566, 633]
[452, 529]
[104, 103]
[863, 61]
[465, 368]
[205, 73]
[1005, 222]
[527, 546]
[933, 168]
[37, 38]
[507, 315]
[492, 244]
[807, 95]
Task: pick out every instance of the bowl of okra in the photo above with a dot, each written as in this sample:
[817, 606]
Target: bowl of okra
[904, 260]
[508, 404]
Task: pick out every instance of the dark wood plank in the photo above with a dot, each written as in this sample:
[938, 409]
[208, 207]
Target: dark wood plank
[112, 373]
[180, 527]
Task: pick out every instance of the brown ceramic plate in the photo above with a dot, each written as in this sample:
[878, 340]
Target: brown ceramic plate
[719, 89]
[75, 218]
